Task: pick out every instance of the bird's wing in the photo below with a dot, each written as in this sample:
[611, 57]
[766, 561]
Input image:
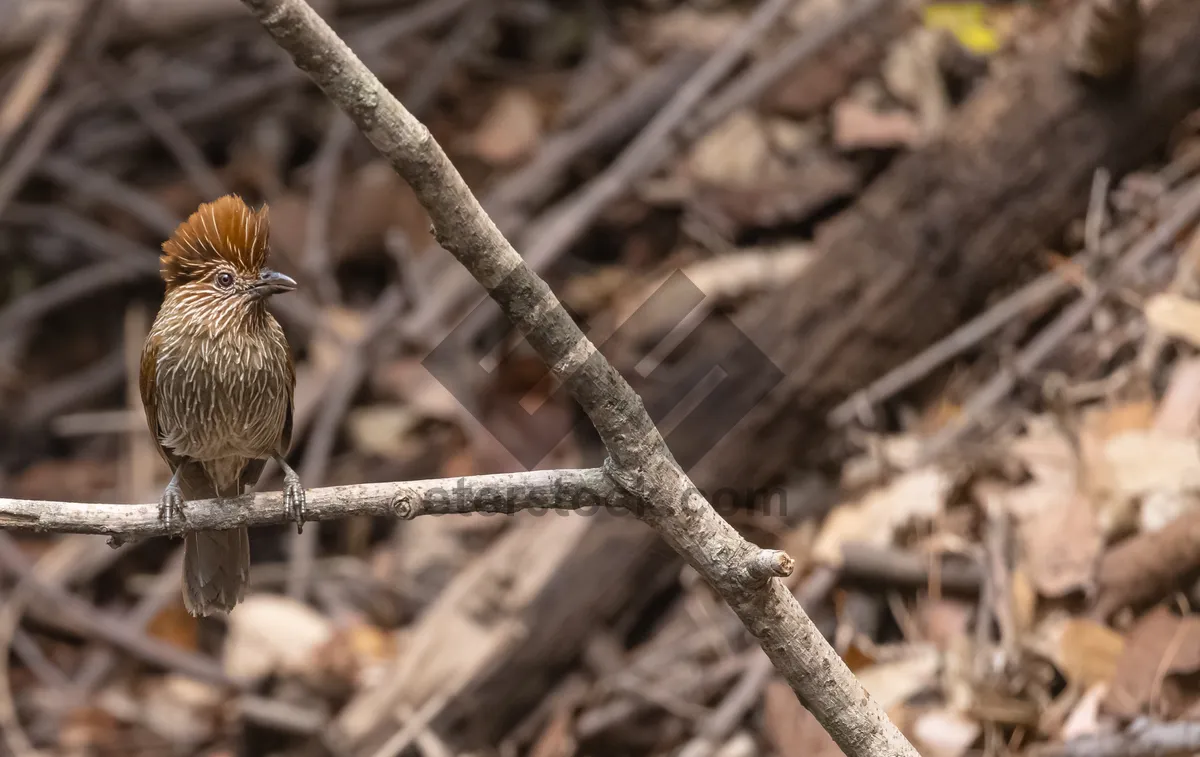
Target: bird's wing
[285, 436]
[146, 384]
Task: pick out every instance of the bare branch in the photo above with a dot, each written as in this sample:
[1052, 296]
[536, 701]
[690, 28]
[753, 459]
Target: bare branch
[639, 461]
[501, 493]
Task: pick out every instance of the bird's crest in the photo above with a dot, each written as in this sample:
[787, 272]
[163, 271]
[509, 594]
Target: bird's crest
[225, 230]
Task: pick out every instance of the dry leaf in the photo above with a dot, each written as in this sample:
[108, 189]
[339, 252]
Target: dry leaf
[273, 634]
[690, 28]
[1180, 406]
[945, 733]
[1046, 453]
[790, 193]
[1060, 538]
[1159, 646]
[357, 654]
[175, 625]
[734, 154]
[944, 620]
[180, 710]
[1084, 651]
[874, 519]
[1061, 541]
[912, 72]
[1175, 315]
[857, 126]
[790, 729]
[894, 682]
[510, 130]
[388, 431]
[1085, 718]
[1143, 462]
[736, 275]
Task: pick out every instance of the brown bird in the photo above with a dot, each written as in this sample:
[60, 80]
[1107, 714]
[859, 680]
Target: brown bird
[217, 382]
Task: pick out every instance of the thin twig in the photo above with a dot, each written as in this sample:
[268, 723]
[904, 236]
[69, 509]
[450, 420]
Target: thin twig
[1030, 299]
[1146, 739]
[1184, 213]
[327, 168]
[40, 70]
[42, 133]
[185, 151]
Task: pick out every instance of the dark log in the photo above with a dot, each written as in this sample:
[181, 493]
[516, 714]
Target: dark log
[922, 250]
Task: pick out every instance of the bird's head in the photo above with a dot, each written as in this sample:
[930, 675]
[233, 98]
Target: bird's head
[218, 258]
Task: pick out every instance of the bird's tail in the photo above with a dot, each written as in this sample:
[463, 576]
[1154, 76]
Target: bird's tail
[216, 564]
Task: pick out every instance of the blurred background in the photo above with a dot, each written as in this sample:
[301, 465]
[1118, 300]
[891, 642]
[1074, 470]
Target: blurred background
[973, 270]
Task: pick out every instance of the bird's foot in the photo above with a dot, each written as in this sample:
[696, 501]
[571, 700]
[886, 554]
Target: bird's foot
[170, 507]
[293, 498]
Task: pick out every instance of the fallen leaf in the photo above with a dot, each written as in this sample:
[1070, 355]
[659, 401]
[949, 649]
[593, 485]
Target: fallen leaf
[811, 86]
[1057, 528]
[1061, 542]
[894, 682]
[1046, 453]
[1084, 651]
[175, 625]
[1179, 409]
[1085, 718]
[180, 710]
[1143, 462]
[691, 28]
[945, 733]
[1159, 646]
[1174, 315]
[388, 431]
[793, 194]
[857, 126]
[354, 655]
[735, 275]
[790, 729]
[912, 71]
[510, 130]
[874, 519]
[271, 634]
[736, 153]
[944, 620]
[973, 24]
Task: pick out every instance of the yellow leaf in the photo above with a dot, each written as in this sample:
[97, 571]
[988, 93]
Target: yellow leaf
[969, 22]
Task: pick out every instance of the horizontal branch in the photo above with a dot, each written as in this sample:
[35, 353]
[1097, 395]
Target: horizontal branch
[508, 493]
[585, 490]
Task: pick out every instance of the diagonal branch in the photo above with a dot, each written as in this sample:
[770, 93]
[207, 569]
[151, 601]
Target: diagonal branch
[639, 462]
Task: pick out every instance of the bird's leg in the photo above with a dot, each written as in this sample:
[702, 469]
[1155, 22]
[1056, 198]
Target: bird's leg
[170, 507]
[293, 494]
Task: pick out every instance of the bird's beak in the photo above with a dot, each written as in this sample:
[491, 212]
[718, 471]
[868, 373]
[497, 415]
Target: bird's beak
[272, 282]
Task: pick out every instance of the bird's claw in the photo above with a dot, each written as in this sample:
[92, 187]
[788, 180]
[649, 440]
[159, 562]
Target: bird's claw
[293, 498]
[170, 507]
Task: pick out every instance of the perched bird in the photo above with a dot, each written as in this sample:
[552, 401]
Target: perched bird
[217, 382]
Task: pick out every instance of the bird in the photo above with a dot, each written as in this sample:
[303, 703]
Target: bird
[217, 383]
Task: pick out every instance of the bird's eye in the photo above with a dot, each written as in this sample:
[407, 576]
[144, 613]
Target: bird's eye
[224, 279]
